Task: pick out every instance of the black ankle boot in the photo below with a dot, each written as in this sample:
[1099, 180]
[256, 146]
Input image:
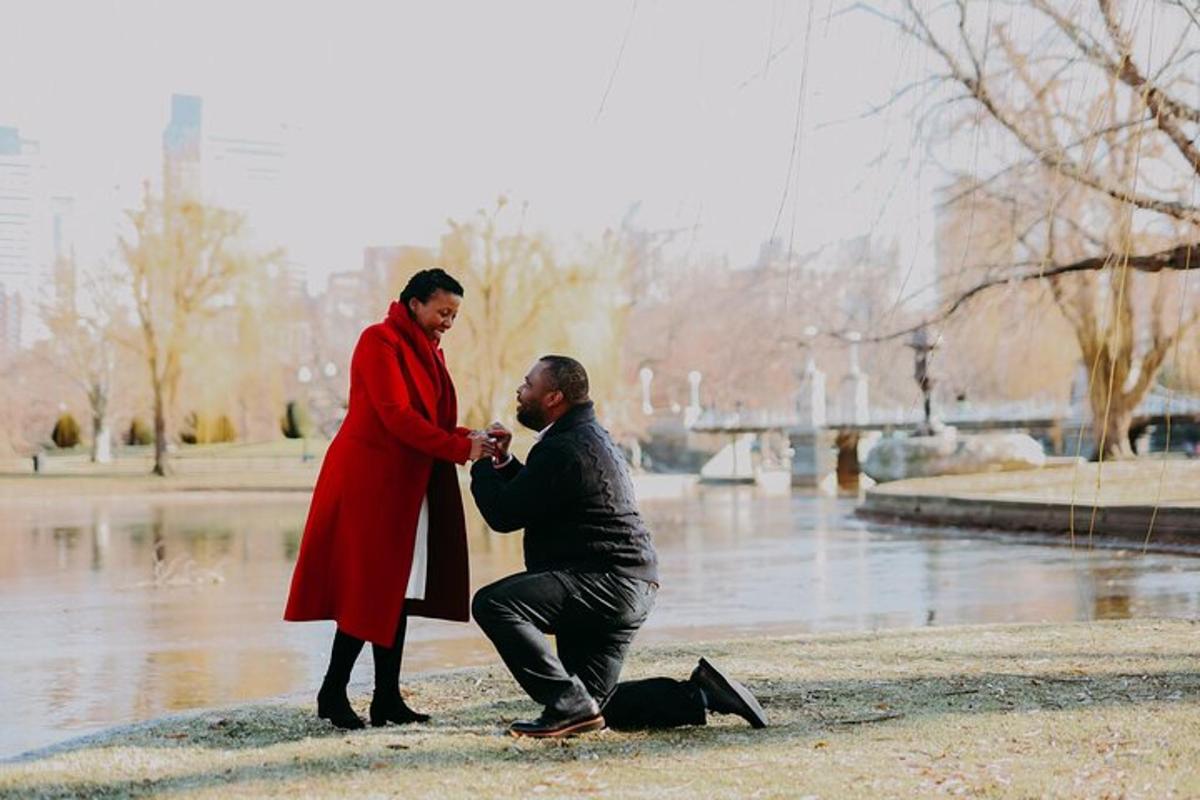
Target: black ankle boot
[334, 706]
[393, 709]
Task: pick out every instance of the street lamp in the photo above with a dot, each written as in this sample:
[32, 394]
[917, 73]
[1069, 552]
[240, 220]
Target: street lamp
[923, 345]
[646, 375]
[692, 412]
[305, 376]
[810, 401]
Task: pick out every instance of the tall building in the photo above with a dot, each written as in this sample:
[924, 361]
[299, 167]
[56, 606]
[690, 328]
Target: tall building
[344, 296]
[232, 167]
[22, 213]
[11, 311]
[387, 267]
[182, 146]
[62, 251]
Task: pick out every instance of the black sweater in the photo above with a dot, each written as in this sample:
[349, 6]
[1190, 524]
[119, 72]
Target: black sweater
[574, 499]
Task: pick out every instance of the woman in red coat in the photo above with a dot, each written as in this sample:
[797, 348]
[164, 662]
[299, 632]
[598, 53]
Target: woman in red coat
[385, 537]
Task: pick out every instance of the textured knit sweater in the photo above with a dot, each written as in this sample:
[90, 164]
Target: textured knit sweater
[575, 500]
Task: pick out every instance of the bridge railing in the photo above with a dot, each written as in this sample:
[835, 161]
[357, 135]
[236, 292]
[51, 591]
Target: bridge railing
[1158, 403]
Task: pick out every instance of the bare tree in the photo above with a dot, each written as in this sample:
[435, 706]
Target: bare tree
[525, 299]
[83, 342]
[1014, 345]
[25, 425]
[1099, 153]
[183, 261]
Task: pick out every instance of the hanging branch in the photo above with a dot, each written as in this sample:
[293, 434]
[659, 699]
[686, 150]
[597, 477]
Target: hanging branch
[1184, 257]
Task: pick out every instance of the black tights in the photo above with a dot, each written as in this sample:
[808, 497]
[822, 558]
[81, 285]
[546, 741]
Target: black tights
[387, 661]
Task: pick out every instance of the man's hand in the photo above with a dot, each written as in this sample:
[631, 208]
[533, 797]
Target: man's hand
[502, 437]
[482, 446]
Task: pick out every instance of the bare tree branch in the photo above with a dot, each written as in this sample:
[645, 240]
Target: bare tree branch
[875, 110]
[1167, 112]
[1034, 161]
[1053, 157]
[1185, 257]
[1187, 10]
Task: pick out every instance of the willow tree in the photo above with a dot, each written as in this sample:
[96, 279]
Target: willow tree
[183, 261]
[1090, 120]
[525, 297]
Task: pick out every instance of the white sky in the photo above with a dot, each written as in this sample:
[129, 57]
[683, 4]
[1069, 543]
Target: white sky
[409, 114]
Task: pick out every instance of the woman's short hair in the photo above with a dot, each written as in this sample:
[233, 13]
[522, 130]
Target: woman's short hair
[423, 285]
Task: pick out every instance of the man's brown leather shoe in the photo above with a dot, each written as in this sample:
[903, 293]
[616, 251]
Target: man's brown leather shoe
[550, 724]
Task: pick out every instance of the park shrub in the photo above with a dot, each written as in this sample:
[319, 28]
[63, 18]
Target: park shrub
[66, 432]
[201, 428]
[296, 423]
[224, 430]
[194, 426]
[139, 434]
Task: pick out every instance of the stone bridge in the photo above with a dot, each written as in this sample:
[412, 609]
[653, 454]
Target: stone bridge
[816, 438]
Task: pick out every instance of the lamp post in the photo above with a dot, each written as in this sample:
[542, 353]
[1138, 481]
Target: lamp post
[854, 402]
[810, 401]
[692, 412]
[923, 345]
[305, 376]
[646, 375]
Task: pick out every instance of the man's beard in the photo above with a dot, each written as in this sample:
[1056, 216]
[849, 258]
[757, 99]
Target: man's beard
[531, 417]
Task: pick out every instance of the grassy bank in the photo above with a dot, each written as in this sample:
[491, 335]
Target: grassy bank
[1153, 502]
[1147, 481]
[1086, 710]
[285, 465]
[239, 478]
[267, 467]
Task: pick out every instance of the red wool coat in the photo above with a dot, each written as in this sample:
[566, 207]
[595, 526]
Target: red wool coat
[399, 441]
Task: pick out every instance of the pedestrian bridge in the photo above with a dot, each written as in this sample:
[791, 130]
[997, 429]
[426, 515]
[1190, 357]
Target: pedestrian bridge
[815, 450]
[1158, 406]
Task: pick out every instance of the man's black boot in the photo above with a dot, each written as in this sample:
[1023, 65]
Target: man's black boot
[724, 695]
[552, 723]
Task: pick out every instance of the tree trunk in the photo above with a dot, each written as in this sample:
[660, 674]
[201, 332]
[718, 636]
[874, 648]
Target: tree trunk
[1112, 431]
[848, 469]
[160, 432]
[98, 399]
[97, 432]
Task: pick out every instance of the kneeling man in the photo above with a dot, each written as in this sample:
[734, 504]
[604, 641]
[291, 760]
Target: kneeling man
[591, 572]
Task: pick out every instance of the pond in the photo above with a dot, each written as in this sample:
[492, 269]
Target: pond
[117, 610]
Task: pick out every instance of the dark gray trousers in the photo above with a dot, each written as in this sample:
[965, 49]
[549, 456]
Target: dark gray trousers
[593, 617]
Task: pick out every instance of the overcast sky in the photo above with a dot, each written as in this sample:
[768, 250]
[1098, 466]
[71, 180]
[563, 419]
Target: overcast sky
[406, 114]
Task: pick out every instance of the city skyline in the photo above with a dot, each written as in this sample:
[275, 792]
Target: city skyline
[706, 121]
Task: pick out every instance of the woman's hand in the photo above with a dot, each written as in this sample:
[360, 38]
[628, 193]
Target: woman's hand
[481, 446]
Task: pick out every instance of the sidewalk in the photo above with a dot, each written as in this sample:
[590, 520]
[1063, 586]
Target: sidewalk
[1149, 500]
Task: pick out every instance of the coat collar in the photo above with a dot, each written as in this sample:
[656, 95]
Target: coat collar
[421, 350]
[578, 415]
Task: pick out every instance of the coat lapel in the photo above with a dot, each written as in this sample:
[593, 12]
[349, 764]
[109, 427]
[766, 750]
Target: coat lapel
[420, 369]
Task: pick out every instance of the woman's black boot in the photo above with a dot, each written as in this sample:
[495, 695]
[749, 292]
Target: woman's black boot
[394, 710]
[332, 703]
[387, 705]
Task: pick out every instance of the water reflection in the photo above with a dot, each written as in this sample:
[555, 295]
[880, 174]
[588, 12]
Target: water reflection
[122, 610]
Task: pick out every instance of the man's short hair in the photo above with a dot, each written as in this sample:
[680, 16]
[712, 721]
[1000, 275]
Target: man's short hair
[425, 283]
[567, 376]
